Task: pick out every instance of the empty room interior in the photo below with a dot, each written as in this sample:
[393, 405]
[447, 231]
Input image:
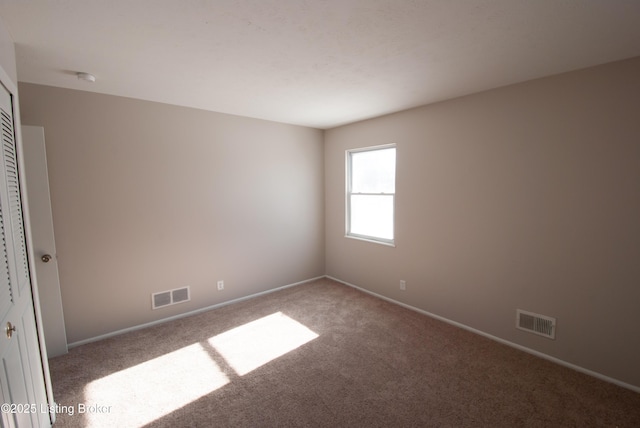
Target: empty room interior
[301, 213]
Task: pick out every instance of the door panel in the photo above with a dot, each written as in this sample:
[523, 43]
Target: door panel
[42, 235]
[18, 378]
[21, 366]
[6, 419]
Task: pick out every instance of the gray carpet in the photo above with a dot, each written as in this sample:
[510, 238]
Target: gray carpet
[348, 359]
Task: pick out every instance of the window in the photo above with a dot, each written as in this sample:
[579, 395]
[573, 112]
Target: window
[371, 188]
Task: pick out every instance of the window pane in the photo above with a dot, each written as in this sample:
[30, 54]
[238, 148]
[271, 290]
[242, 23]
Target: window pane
[372, 215]
[373, 171]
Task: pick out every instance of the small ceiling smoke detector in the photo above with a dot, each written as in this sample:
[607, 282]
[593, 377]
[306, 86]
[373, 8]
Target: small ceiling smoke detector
[87, 77]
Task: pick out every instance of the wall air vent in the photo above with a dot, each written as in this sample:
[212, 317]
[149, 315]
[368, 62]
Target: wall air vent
[161, 299]
[537, 324]
[170, 297]
[180, 295]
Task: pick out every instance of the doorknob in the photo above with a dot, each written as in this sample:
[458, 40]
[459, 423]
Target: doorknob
[10, 330]
[46, 258]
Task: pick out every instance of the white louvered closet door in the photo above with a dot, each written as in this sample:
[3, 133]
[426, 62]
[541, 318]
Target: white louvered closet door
[21, 371]
[12, 204]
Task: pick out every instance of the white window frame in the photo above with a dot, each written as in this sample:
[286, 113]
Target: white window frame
[348, 233]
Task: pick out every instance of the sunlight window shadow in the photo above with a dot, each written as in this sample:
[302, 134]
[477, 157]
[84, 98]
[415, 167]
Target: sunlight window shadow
[254, 344]
[149, 391]
[143, 393]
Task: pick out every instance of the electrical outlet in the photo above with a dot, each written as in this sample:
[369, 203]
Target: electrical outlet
[403, 285]
[220, 285]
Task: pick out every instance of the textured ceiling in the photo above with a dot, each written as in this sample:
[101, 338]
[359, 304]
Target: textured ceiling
[318, 63]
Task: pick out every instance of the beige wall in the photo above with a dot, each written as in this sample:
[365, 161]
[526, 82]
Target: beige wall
[7, 53]
[148, 197]
[523, 197]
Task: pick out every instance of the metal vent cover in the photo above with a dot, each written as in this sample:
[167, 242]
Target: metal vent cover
[180, 295]
[161, 299]
[170, 297]
[535, 323]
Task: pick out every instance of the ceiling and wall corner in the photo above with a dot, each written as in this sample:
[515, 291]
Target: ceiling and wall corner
[316, 64]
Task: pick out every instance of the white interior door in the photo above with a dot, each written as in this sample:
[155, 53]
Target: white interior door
[21, 365]
[44, 244]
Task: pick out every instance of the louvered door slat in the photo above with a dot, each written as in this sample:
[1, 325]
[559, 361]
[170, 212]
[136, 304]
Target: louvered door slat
[6, 298]
[15, 207]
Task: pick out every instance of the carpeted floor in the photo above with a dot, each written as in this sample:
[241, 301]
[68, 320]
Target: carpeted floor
[323, 354]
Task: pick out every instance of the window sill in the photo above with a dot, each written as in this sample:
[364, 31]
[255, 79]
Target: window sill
[373, 241]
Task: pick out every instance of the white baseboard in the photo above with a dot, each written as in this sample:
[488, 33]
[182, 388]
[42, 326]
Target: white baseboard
[186, 314]
[497, 339]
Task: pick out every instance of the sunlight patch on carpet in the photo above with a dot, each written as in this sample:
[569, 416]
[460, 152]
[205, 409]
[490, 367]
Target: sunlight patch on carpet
[148, 391]
[254, 344]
